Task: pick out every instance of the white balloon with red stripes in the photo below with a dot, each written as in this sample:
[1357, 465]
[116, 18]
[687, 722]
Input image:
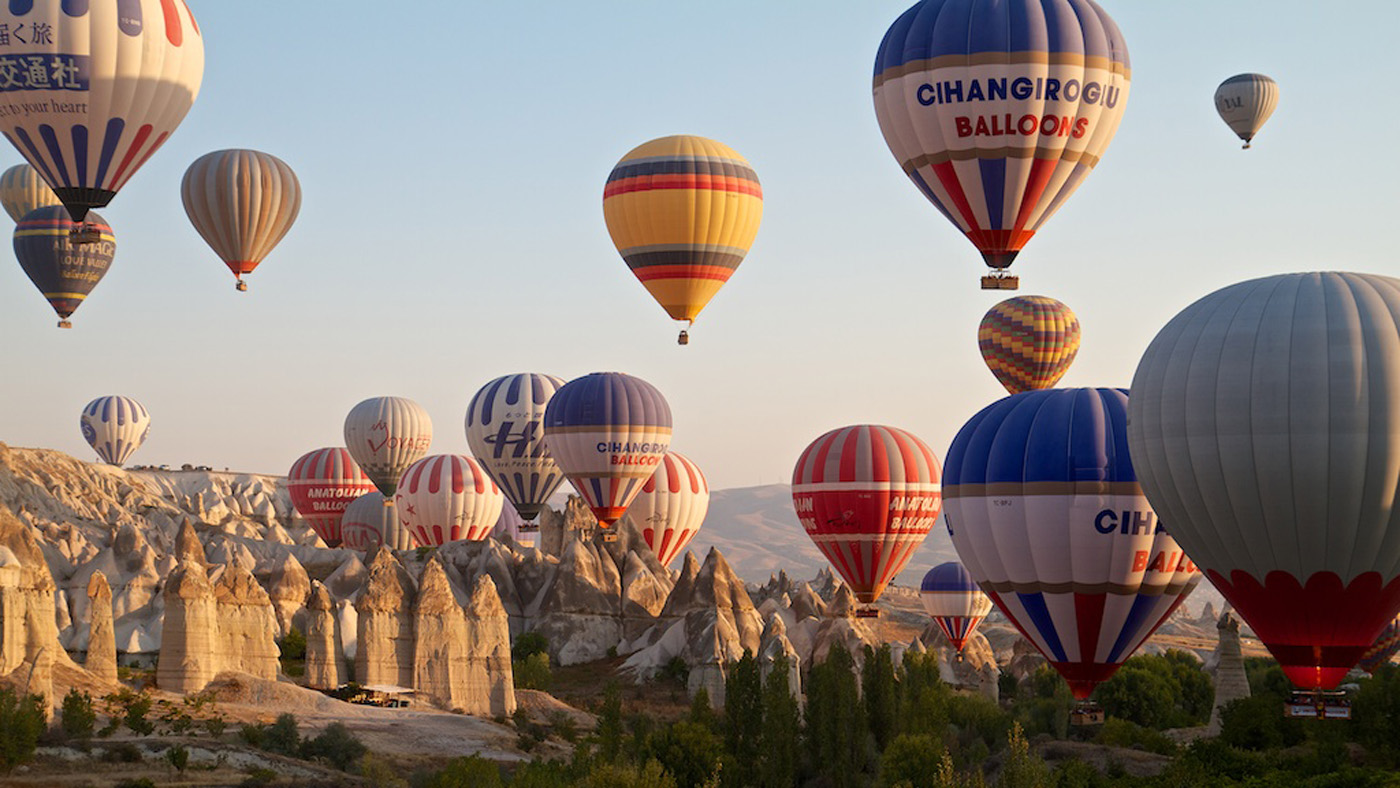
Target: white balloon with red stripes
[370, 520]
[671, 506]
[867, 495]
[447, 498]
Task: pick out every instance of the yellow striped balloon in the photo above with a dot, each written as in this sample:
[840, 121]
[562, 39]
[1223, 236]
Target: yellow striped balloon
[683, 211]
[22, 191]
[1029, 342]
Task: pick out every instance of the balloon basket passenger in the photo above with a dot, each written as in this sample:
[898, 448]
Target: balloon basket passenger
[1086, 712]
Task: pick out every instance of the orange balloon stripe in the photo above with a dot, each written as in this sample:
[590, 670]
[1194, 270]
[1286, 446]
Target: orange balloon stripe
[646, 183]
[648, 273]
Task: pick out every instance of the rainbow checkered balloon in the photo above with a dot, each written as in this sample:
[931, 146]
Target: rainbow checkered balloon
[1029, 342]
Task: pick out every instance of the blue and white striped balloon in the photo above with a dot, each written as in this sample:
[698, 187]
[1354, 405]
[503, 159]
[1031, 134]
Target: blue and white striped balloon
[115, 427]
[505, 429]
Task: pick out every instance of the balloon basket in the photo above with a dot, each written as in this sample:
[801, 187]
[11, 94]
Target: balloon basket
[64, 324]
[241, 287]
[1318, 705]
[868, 612]
[84, 234]
[684, 338]
[1085, 713]
[1000, 282]
[609, 536]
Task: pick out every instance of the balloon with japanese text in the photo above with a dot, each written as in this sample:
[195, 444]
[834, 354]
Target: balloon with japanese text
[89, 91]
[998, 110]
[1047, 515]
[867, 495]
[1265, 426]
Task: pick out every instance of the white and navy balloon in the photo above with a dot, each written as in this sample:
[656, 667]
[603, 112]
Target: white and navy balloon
[115, 427]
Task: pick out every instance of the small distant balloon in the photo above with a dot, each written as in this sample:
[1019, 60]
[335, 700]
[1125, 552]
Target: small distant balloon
[115, 427]
[22, 191]
[385, 435]
[1245, 102]
[63, 270]
[1029, 342]
[951, 597]
[242, 202]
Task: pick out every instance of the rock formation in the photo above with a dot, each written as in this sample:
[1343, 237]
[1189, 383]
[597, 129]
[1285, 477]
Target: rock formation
[189, 637]
[839, 625]
[440, 661]
[325, 666]
[288, 588]
[384, 654]
[101, 658]
[246, 625]
[773, 646]
[490, 684]
[187, 545]
[1226, 664]
[580, 614]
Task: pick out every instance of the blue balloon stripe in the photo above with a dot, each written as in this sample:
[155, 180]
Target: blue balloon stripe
[1044, 623]
[51, 142]
[1138, 617]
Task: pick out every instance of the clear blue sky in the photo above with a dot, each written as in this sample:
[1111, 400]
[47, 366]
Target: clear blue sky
[453, 155]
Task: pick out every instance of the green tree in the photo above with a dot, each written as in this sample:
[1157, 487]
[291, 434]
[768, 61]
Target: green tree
[472, 771]
[293, 645]
[282, 736]
[21, 723]
[1159, 691]
[835, 720]
[138, 705]
[609, 775]
[609, 728]
[178, 757]
[1022, 768]
[1376, 715]
[1257, 723]
[532, 672]
[743, 712]
[528, 644]
[878, 694]
[337, 745]
[690, 752]
[777, 768]
[701, 712]
[913, 760]
[79, 720]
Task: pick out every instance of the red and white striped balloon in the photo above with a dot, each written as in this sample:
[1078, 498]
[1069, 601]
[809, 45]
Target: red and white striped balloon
[867, 495]
[671, 506]
[322, 484]
[446, 498]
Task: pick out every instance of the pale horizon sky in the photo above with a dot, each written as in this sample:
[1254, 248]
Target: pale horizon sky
[453, 157]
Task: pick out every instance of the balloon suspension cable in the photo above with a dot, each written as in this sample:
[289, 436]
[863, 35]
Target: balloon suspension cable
[64, 324]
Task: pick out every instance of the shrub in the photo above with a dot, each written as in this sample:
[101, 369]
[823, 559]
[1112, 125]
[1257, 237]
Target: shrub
[178, 757]
[282, 736]
[1257, 723]
[258, 777]
[470, 772]
[293, 644]
[529, 644]
[21, 723]
[251, 735]
[564, 726]
[136, 782]
[532, 672]
[1121, 733]
[337, 745]
[79, 720]
[123, 752]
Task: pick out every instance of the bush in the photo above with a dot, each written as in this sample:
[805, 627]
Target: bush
[1121, 733]
[178, 757]
[136, 782]
[1257, 723]
[914, 759]
[293, 644]
[470, 772]
[21, 723]
[135, 708]
[79, 720]
[251, 735]
[282, 736]
[1167, 691]
[337, 745]
[628, 776]
[532, 672]
[527, 645]
[258, 777]
[124, 752]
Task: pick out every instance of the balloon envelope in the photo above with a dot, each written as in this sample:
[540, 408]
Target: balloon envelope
[1245, 102]
[65, 272]
[608, 431]
[1029, 342]
[22, 191]
[683, 211]
[385, 435]
[242, 202]
[505, 429]
[372, 520]
[322, 484]
[115, 427]
[671, 506]
[1266, 431]
[952, 598]
[867, 495]
[997, 110]
[1380, 653]
[1048, 517]
[113, 81]
[447, 497]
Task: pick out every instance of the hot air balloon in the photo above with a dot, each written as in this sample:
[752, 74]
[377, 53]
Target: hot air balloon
[1381, 651]
[510, 524]
[505, 429]
[1245, 102]
[1048, 517]
[385, 435]
[372, 520]
[1029, 342]
[447, 497]
[671, 506]
[64, 271]
[115, 427]
[242, 202]
[683, 211]
[998, 109]
[608, 431]
[1264, 428]
[323, 483]
[104, 85]
[952, 598]
[867, 495]
[22, 191]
